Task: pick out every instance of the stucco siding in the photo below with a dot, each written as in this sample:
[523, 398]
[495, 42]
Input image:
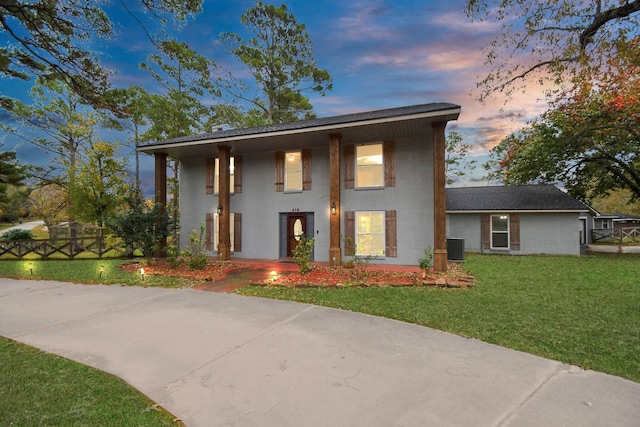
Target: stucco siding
[553, 234]
[467, 227]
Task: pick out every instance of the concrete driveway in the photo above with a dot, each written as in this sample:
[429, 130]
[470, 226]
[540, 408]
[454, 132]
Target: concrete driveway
[225, 360]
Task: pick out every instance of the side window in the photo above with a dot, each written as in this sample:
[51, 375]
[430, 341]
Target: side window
[369, 166]
[370, 233]
[216, 176]
[500, 231]
[293, 171]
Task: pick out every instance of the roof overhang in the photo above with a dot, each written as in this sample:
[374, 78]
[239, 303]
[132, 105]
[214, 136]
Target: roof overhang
[361, 127]
[513, 211]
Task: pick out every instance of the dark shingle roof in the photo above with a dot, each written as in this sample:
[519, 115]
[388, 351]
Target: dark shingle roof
[544, 197]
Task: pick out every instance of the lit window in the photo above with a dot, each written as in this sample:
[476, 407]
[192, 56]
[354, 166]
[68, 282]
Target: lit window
[216, 230]
[293, 171]
[500, 231]
[370, 234]
[369, 166]
[216, 177]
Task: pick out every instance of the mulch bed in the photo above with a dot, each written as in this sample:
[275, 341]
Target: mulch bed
[227, 276]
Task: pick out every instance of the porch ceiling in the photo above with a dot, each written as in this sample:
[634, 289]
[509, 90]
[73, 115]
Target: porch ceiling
[362, 127]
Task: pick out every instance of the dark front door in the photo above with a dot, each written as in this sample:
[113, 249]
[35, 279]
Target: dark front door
[296, 228]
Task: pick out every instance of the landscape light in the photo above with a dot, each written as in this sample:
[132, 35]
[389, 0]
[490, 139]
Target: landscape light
[101, 271]
[142, 273]
[273, 276]
[31, 268]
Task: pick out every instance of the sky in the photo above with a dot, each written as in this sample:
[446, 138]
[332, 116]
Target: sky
[380, 54]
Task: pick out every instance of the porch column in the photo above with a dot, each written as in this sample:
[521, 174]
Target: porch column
[224, 237]
[161, 198]
[439, 199]
[335, 253]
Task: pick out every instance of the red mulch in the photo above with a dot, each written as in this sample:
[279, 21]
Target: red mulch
[228, 276]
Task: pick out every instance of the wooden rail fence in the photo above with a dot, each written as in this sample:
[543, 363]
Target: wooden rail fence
[66, 248]
[622, 235]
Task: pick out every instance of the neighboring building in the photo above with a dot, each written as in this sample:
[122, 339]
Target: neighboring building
[613, 226]
[368, 184]
[521, 220]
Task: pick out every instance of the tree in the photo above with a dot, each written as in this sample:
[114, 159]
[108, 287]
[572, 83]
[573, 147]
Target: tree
[11, 173]
[280, 58]
[456, 163]
[49, 202]
[550, 40]
[101, 184]
[590, 138]
[49, 39]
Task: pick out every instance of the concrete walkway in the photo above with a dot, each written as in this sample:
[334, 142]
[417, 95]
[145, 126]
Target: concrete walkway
[226, 360]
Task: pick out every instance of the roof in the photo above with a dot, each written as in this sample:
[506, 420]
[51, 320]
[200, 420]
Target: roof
[359, 127]
[535, 198]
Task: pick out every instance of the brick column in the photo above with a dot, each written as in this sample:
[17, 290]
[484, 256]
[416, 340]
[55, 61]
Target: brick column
[439, 199]
[335, 252]
[161, 198]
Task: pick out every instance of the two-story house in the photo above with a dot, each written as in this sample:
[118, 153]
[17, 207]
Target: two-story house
[369, 185]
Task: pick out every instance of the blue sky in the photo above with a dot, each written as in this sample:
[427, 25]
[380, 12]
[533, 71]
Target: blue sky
[380, 53]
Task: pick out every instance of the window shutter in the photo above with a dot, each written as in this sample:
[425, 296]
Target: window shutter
[237, 174]
[209, 231]
[279, 170]
[485, 231]
[210, 174]
[349, 166]
[350, 233]
[514, 232]
[306, 169]
[391, 236]
[389, 159]
[237, 232]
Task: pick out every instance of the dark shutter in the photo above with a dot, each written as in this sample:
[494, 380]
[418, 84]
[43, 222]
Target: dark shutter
[208, 235]
[210, 174]
[514, 232]
[350, 233]
[279, 170]
[391, 236]
[389, 159]
[349, 166]
[237, 174]
[237, 232]
[306, 170]
[485, 231]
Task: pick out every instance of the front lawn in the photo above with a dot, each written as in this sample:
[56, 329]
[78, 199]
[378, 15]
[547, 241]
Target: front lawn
[579, 310]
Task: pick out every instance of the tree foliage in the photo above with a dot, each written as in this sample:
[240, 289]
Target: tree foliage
[280, 59]
[456, 161]
[49, 39]
[11, 173]
[48, 202]
[550, 40]
[589, 140]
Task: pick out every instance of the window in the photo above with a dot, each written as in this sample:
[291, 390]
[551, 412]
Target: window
[370, 234]
[499, 231]
[369, 166]
[216, 230]
[216, 176]
[293, 171]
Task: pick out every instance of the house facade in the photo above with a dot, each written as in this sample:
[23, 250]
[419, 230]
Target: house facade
[517, 220]
[362, 185]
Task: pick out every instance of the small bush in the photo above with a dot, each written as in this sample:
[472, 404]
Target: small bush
[18, 234]
[425, 263]
[195, 257]
[302, 253]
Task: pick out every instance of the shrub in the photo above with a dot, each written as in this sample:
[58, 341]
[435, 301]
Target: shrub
[17, 234]
[302, 253]
[195, 256]
[425, 263]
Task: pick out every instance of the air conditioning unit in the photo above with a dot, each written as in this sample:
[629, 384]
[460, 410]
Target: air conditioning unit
[455, 249]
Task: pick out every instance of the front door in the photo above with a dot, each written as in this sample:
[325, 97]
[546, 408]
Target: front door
[296, 228]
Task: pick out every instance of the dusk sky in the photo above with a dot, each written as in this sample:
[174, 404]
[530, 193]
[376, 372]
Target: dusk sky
[380, 53]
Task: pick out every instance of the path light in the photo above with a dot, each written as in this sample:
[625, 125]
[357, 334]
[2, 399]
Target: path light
[31, 268]
[273, 276]
[101, 271]
[142, 272]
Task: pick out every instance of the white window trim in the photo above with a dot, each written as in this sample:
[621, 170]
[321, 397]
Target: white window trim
[367, 187]
[287, 170]
[216, 175]
[216, 231]
[383, 233]
[508, 233]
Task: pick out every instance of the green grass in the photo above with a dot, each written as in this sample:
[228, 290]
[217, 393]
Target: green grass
[584, 311]
[38, 388]
[87, 271]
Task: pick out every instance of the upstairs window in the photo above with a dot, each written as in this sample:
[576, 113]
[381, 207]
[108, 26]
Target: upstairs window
[293, 171]
[369, 166]
[216, 176]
